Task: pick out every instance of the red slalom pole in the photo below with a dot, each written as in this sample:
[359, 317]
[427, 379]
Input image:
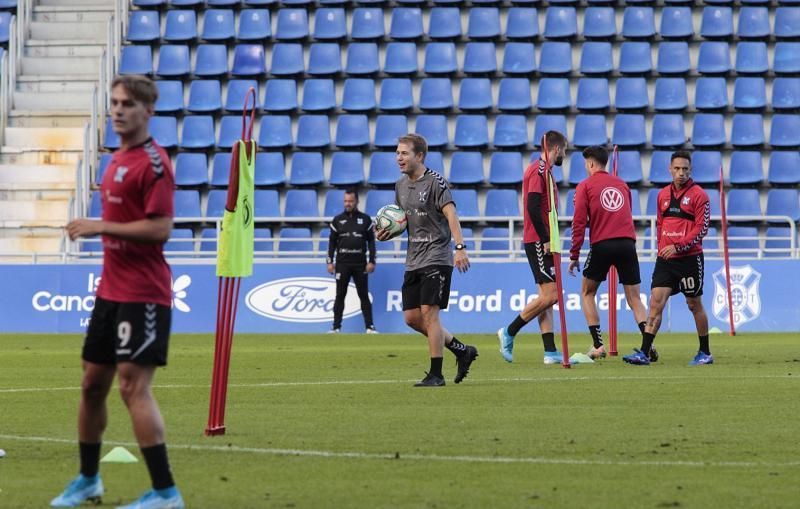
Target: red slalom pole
[725, 252]
[612, 282]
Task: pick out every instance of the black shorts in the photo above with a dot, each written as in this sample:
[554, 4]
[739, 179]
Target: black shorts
[428, 286]
[127, 332]
[684, 274]
[621, 253]
[542, 266]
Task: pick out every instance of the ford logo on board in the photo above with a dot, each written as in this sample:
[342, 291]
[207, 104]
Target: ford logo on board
[301, 299]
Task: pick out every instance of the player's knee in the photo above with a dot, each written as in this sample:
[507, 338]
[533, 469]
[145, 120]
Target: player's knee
[129, 388]
[550, 295]
[93, 389]
[695, 305]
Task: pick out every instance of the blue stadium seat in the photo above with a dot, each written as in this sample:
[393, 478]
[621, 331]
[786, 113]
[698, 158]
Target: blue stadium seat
[749, 93]
[211, 60]
[313, 131]
[515, 94]
[652, 204]
[779, 239]
[743, 202]
[502, 202]
[292, 25]
[306, 169]
[434, 129]
[671, 94]
[629, 130]
[786, 93]
[280, 96]
[377, 198]
[466, 201]
[198, 131]
[269, 171]
[5, 27]
[479, 58]
[673, 57]
[185, 3]
[708, 130]
[238, 94]
[143, 26]
[330, 24]
[287, 59]
[181, 26]
[223, 3]
[440, 58]
[748, 130]
[483, 23]
[261, 243]
[471, 131]
[218, 25]
[638, 22]
[367, 23]
[187, 204]
[191, 169]
[786, 57]
[396, 95]
[466, 168]
[717, 22]
[383, 168]
[714, 58]
[301, 203]
[204, 96]
[362, 58]
[631, 94]
[555, 58]
[553, 94]
[676, 22]
[352, 131]
[506, 168]
[401, 58]
[546, 123]
[475, 94]
[136, 60]
[324, 58]
[215, 206]
[388, 128]
[560, 22]
[593, 94]
[406, 23]
[275, 131]
[110, 139]
[667, 130]
[96, 206]
[629, 169]
[469, 237]
[522, 23]
[436, 94]
[173, 60]
[711, 93]
[165, 131]
[635, 58]
[589, 130]
[444, 23]
[267, 204]
[334, 199]
[787, 22]
[179, 241]
[137, 3]
[599, 23]
[254, 25]
[495, 239]
[249, 60]
[220, 169]
[318, 95]
[785, 130]
[434, 161]
[567, 207]
[751, 57]
[519, 58]
[596, 58]
[659, 168]
[295, 240]
[358, 95]
[170, 96]
[743, 241]
[510, 131]
[105, 159]
[784, 167]
[577, 169]
[745, 168]
[705, 166]
[753, 23]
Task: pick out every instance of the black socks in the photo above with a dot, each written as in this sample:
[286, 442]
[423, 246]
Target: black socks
[647, 342]
[516, 325]
[457, 347]
[597, 336]
[549, 341]
[704, 345]
[90, 458]
[158, 466]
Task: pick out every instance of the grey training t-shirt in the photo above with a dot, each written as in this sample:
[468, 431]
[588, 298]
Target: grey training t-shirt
[428, 231]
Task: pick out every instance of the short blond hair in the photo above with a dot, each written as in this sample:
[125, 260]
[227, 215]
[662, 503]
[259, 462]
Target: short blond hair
[418, 142]
[141, 88]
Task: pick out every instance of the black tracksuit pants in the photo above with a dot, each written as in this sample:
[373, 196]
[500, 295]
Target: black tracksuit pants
[343, 274]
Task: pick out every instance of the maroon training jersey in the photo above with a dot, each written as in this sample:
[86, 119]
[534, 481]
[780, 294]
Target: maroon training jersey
[138, 184]
[683, 217]
[605, 201]
[534, 182]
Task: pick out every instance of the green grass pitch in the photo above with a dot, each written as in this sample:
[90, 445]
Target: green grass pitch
[322, 421]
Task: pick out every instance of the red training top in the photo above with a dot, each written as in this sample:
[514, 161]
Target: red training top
[534, 182]
[683, 217]
[605, 200]
[138, 184]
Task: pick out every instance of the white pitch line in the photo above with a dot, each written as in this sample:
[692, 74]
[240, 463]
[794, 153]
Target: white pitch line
[426, 457]
[384, 382]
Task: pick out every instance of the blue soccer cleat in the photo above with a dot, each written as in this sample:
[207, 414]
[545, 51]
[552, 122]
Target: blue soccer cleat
[701, 359]
[638, 358]
[506, 344]
[553, 357]
[79, 491]
[169, 498]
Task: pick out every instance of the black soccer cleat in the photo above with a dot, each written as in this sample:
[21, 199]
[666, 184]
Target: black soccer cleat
[653, 354]
[464, 362]
[430, 381]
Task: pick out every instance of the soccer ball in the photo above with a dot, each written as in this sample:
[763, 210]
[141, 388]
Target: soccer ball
[391, 218]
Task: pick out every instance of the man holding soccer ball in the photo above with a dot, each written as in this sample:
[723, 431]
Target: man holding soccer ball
[432, 220]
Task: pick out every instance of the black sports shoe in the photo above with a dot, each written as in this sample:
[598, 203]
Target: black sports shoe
[464, 362]
[430, 381]
[653, 354]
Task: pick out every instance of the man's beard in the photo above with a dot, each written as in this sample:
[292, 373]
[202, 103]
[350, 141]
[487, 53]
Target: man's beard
[559, 160]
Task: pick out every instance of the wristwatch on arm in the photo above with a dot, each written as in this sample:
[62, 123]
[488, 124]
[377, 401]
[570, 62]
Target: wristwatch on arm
[460, 247]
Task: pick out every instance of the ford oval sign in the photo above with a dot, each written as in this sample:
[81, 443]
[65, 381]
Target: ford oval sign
[301, 299]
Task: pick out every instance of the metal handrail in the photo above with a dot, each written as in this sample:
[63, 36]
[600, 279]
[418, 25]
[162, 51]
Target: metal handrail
[5, 93]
